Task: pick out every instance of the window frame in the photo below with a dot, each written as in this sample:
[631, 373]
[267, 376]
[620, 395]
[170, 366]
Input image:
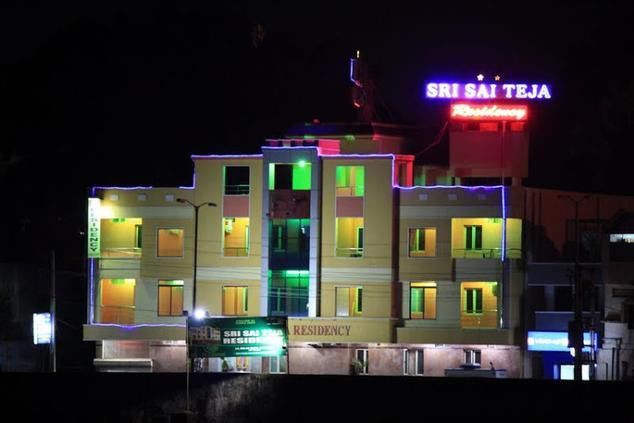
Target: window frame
[245, 300]
[158, 230]
[162, 284]
[364, 359]
[423, 297]
[474, 301]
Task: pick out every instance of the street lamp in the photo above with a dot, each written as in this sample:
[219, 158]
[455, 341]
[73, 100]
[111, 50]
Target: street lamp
[196, 208]
[577, 332]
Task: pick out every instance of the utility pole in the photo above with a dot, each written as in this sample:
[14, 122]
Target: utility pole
[577, 324]
[196, 207]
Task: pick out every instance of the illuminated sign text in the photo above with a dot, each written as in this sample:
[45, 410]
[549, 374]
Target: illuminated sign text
[462, 111]
[473, 91]
[322, 330]
[94, 228]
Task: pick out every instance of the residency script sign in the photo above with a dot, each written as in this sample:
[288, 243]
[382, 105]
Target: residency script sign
[236, 337]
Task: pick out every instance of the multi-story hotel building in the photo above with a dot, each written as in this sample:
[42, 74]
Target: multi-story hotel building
[376, 255]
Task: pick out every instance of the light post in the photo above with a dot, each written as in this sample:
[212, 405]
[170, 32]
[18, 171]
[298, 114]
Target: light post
[577, 325]
[196, 208]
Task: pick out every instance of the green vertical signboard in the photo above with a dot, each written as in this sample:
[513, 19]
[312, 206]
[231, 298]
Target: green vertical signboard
[237, 337]
[94, 228]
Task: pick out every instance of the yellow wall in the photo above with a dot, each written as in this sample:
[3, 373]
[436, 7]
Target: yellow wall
[377, 214]
[179, 268]
[376, 298]
[210, 188]
[417, 268]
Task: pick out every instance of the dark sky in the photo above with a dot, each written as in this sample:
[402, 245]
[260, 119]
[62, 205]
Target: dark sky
[123, 92]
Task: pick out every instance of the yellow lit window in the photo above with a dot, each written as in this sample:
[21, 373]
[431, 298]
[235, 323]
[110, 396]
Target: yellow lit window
[422, 242]
[170, 298]
[170, 243]
[234, 301]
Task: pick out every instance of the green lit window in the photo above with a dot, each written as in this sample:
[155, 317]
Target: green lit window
[349, 301]
[422, 242]
[296, 176]
[170, 298]
[350, 181]
[423, 300]
[473, 237]
[473, 301]
[288, 292]
[236, 180]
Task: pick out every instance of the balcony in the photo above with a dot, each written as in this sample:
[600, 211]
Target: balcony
[482, 253]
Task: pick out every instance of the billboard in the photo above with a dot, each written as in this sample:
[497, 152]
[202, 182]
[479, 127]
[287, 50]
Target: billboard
[236, 337]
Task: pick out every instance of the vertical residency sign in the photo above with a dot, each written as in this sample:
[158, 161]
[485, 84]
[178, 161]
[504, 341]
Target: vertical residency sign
[94, 227]
[236, 337]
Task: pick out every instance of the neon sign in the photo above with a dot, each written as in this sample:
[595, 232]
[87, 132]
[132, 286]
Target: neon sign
[464, 111]
[481, 91]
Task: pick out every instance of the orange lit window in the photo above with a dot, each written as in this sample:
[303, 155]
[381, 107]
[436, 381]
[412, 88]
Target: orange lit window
[170, 243]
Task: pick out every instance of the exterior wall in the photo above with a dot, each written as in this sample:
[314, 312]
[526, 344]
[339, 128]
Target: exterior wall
[375, 298]
[377, 215]
[210, 187]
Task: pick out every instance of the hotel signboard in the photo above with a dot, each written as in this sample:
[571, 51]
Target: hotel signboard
[236, 337]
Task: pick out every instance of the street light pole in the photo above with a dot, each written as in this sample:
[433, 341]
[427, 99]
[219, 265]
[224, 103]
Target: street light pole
[577, 332]
[196, 208]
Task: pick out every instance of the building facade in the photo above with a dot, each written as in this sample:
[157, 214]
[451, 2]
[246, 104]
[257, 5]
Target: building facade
[385, 264]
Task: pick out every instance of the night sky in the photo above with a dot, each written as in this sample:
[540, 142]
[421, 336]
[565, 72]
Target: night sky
[122, 93]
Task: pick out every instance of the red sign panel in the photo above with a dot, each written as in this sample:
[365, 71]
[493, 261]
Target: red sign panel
[466, 111]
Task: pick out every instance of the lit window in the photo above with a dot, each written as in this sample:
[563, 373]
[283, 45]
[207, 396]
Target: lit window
[473, 237]
[170, 298]
[350, 236]
[288, 293]
[235, 301]
[423, 300]
[117, 301]
[295, 176]
[473, 301]
[350, 181]
[479, 305]
[236, 236]
[349, 301]
[236, 180]
[422, 242]
[170, 243]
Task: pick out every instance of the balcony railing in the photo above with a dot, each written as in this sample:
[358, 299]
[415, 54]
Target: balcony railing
[481, 253]
[123, 315]
[349, 252]
[123, 252]
[237, 189]
[488, 319]
[235, 251]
